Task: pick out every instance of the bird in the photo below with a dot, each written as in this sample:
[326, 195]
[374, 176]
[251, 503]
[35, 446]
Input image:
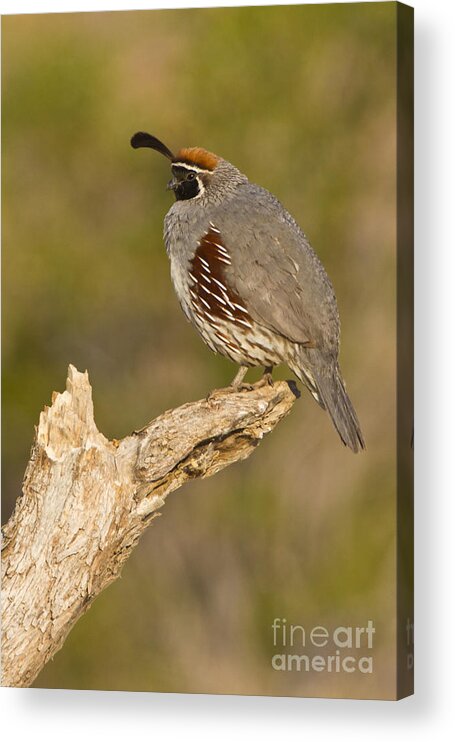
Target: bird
[249, 281]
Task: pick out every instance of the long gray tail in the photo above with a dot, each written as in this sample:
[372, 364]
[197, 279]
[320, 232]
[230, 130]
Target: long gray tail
[328, 388]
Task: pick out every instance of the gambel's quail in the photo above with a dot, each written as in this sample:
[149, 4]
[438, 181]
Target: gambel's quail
[248, 279]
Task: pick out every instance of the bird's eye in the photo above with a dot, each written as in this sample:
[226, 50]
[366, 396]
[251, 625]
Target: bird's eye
[191, 176]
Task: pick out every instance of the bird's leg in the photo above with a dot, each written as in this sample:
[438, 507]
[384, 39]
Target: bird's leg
[238, 378]
[237, 384]
[266, 377]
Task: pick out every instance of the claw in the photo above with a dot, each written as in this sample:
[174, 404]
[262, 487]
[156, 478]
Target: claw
[266, 377]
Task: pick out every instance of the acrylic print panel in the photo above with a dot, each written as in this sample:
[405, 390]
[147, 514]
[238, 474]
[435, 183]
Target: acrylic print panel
[290, 572]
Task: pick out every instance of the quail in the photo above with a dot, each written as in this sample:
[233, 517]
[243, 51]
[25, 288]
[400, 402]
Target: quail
[249, 281]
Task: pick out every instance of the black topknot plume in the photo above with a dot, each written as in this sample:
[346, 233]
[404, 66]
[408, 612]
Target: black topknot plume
[142, 139]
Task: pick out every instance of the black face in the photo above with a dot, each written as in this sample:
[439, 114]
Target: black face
[185, 183]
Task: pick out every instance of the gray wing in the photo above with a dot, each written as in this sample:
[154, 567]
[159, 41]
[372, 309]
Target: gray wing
[276, 272]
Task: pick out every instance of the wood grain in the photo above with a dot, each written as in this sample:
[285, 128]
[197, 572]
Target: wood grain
[86, 501]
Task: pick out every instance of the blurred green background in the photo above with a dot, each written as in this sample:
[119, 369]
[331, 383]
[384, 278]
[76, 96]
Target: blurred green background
[302, 99]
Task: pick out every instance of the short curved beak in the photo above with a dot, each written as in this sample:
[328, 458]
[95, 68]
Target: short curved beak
[171, 186]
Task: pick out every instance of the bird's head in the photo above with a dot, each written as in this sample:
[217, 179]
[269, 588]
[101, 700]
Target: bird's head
[195, 171]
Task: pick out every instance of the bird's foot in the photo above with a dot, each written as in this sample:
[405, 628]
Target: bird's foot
[233, 389]
[238, 378]
[236, 385]
[266, 377]
[242, 387]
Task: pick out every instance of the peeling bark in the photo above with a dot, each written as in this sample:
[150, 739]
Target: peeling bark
[86, 500]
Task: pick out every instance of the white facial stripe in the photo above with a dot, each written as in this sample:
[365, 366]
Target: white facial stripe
[194, 168]
[201, 188]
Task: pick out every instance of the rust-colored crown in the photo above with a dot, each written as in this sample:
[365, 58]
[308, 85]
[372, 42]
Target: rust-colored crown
[189, 155]
[197, 156]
